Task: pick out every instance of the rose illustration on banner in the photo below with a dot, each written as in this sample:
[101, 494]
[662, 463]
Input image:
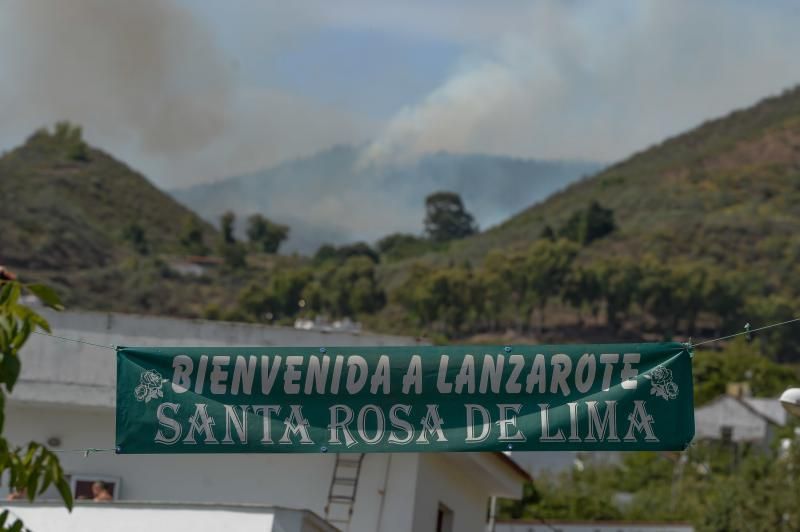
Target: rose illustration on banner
[662, 384]
[149, 387]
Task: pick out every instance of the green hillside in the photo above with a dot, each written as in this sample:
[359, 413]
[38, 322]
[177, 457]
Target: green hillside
[69, 206]
[692, 237]
[727, 191]
[706, 237]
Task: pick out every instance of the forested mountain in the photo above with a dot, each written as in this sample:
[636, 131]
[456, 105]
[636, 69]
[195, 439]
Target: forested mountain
[726, 192]
[66, 205]
[705, 237]
[692, 237]
[335, 196]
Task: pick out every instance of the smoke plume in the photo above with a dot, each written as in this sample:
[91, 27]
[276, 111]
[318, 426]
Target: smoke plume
[144, 71]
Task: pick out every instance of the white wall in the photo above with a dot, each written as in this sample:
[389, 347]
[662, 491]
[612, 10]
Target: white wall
[67, 391]
[384, 502]
[441, 480]
[728, 411]
[397, 492]
[116, 517]
[293, 481]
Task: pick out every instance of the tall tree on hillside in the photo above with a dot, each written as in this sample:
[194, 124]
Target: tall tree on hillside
[398, 246]
[327, 252]
[510, 286]
[227, 222]
[589, 224]
[582, 289]
[135, 234]
[233, 253]
[192, 237]
[265, 234]
[446, 218]
[619, 280]
[547, 265]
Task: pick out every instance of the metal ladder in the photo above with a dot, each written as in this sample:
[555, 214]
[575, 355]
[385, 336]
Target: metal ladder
[342, 493]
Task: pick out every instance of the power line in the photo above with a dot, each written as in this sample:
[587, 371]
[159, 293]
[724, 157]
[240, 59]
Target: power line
[86, 452]
[749, 331]
[76, 341]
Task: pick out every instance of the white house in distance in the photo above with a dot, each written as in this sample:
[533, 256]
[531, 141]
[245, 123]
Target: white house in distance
[66, 394]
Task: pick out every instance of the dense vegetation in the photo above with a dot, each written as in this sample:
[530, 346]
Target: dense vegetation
[715, 487]
[691, 238]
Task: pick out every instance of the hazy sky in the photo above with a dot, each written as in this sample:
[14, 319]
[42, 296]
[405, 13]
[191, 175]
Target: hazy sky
[193, 90]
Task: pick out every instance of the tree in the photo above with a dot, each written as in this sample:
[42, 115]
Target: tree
[191, 237]
[446, 218]
[397, 246]
[327, 252]
[264, 234]
[581, 289]
[71, 138]
[738, 362]
[234, 254]
[724, 298]
[444, 299]
[509, 287]
[547, 265]
[33, 469]
[619, 282]
[351, 288]
[659, 292]
[589, 224]
[547, 233]
[281, 296]
[782, 344]
[134, 233]
[227, 223]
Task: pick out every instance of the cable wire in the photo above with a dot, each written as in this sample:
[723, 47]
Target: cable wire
[749, 331]
[86, 452]
[76, 341]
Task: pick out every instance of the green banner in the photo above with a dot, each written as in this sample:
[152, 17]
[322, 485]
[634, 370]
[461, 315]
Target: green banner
[391, 399]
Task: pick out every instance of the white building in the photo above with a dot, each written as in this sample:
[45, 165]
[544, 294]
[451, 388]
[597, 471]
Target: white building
[135, 517]
[739, 419]
[65, 397]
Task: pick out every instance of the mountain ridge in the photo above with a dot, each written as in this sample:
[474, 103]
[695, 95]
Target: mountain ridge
[68, 205]
[348, 200]
[706, 182]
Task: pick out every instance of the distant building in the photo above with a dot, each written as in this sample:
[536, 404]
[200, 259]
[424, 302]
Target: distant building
[194, 265]
[66, 395]
[735, 417]
[739, 419]
[538, 462]
[321, 324]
